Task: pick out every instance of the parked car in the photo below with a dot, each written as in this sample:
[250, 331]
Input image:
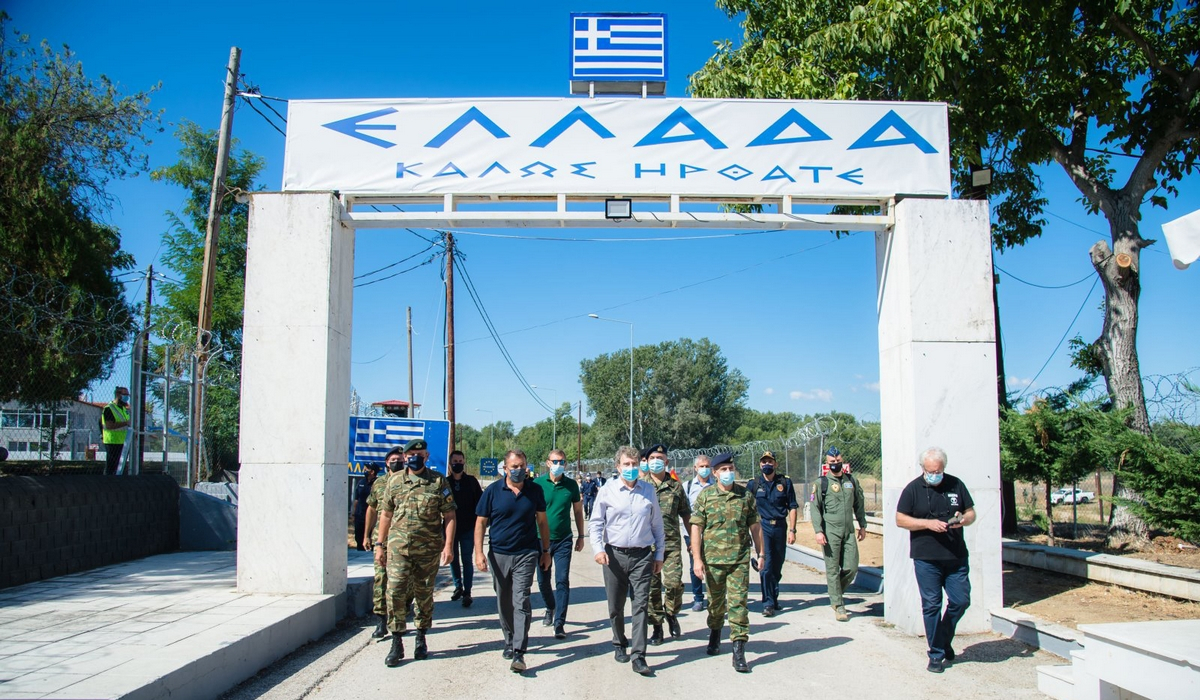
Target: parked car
[1058, 496]
[1079, 496]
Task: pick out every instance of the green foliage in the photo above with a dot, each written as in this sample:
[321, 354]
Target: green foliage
[684, 394]
[63, 139]
[1167, 479]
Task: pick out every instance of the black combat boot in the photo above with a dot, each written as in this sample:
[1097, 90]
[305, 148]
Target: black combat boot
[673, 625]
[397, 652]
[657, 637]
[739, 658]
[381, 629]
[714, 643]
[420, 652]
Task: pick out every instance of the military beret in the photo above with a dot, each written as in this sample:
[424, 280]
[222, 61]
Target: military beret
[373, 466]
[767, 455]
[723, 458]
[652, 449]
[833, 452]
[417, 444]
[397, 450]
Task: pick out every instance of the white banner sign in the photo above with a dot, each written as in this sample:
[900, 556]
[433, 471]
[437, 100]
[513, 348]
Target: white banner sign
[618, 146]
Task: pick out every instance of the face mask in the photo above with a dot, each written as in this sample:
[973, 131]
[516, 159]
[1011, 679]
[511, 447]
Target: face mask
[457, 467]
[629, 473]
[644, 467]
[657, 466]
[556, 470]
[517, 474]
[836, 467]
[933, 479]
[122, 400]
[727, 478]
[704, 472]
[767, 469]
[395, 466]
[415, 463]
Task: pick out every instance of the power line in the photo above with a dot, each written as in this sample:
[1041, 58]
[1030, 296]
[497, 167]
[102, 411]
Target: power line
[397, 274]
[1046, 286]
[660, 239]
[264, 116]
[387, 267]
[1060, 340]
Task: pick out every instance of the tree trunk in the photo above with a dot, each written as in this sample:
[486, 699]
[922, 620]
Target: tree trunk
[1049, 516]
[1116, 348]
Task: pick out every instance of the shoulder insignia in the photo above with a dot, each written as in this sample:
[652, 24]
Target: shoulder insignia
[445, 492]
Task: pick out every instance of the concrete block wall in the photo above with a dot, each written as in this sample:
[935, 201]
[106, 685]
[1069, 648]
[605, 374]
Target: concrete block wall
[57, 525]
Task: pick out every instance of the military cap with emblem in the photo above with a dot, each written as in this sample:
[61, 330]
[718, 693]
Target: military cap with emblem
[723, 458]
[652, 449]
[833, 452]
[397, 450]
[417, 444]
[767, 455]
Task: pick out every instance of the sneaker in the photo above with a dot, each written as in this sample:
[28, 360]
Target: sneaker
[840, 614]
[508, 652]
[768, 611]
[559, 632]
[698, 605]
[935, 666]
[518, 663]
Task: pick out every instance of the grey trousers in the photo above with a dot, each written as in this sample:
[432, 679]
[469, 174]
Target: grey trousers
[628, 575]
[512, 578]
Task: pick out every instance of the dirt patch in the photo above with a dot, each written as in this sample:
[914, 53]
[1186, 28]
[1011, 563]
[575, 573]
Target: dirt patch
[1162, 549]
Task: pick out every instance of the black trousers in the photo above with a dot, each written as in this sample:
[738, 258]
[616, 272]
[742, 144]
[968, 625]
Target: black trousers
[112, 454]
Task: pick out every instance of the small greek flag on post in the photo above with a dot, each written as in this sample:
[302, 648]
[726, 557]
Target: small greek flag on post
[611, 46]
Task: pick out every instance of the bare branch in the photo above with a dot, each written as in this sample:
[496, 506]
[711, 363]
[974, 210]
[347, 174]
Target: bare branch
[1088, 184]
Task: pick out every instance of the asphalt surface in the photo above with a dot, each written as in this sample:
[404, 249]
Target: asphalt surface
[803, 650]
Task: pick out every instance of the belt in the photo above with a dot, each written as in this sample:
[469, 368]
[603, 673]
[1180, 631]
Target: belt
[630, 550]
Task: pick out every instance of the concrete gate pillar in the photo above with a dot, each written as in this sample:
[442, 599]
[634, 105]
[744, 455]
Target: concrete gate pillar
[295, 396]
[937, 385]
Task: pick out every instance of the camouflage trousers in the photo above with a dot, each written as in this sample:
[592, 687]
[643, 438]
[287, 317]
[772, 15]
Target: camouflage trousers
[728, 587]
[410, 579]
[666, 589]
[841, 564]
[379, 596]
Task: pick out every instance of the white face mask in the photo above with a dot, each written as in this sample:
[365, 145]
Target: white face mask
[704, 472]
[657, 466]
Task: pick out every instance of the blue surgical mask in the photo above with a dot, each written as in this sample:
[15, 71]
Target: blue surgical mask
[517, 474]
[933, 479]
[704, 472]
[644, 466]
[556, 470]
[727, 477]
[629, 473]
[657, 466]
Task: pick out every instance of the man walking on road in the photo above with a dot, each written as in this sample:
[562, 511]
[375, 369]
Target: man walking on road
[416, 520]
[626, 531]
[724, 524]
[692, 489]
[562, 502]
[839, 502]
[666, 589]
[393, 462]
[516, 511]
[466, 497]
[776, 501]
[934, 508]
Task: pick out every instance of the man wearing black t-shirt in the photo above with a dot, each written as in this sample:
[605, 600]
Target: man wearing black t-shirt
[934, 508]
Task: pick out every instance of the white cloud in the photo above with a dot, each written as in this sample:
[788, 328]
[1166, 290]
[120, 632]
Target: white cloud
[871, 386]
[1018, 382]
[815, 395]
[768, 391]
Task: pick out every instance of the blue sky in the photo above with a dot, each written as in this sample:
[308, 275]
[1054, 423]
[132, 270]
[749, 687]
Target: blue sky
[793, 311]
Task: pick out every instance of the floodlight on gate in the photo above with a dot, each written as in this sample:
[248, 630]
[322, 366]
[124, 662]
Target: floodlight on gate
[618, 208]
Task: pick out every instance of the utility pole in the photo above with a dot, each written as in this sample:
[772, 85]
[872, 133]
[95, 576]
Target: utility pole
[450, 333]
[146, 362]
[579, 449]
[211, 236]
[412, 409]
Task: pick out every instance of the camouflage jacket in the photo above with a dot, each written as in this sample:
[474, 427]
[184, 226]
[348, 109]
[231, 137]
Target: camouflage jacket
[375, 497]
[725, 517]
[674, 504]
[417, 503]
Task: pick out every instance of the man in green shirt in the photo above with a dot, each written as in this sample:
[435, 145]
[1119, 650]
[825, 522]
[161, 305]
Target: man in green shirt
[562, 500]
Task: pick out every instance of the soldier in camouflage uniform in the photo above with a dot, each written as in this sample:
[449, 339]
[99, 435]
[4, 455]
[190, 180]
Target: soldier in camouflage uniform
[724, 522]
[394, 462]
[839, 502]
[674, 504]
[417, 520]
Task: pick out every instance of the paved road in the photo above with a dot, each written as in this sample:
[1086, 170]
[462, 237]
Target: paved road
[801, 651]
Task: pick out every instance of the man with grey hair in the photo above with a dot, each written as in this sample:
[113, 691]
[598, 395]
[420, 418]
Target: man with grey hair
[934, 507]
[692, 489]
[626, 530]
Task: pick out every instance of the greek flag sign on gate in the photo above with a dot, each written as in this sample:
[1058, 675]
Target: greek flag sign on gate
[372, 438]
[607, 46]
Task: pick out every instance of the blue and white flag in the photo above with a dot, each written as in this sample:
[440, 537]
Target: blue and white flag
[372, 438]
[607, 46]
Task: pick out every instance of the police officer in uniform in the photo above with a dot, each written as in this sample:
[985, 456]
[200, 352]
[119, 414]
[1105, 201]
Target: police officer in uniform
[724, 524]
[393, 462]
[776, 500]
[417, 521]
[838, 503]
[666, 589]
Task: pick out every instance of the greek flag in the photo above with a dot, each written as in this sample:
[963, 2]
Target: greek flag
[606, 46]
[373, 437]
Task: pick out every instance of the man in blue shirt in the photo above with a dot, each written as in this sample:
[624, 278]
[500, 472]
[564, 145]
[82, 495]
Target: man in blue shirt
[776, 499]
[516, 510]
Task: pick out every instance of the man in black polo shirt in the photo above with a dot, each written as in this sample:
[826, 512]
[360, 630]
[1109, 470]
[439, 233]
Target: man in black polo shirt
[934, 508]
[466, 497]
[516, 509]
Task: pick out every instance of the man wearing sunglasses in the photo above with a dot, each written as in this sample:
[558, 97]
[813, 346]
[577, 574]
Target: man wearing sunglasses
[562, 501]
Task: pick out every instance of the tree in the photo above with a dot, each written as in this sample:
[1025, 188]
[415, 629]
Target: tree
[183, 252]
[684, 395]
[1075, 83]
[63, 139]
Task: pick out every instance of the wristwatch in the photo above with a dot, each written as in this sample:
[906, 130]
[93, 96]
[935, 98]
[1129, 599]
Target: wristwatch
[378, 544]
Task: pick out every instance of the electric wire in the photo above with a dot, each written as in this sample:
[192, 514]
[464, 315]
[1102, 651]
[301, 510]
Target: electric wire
[388, 267]
[428, 260]
[264, 116]
[657, 239]
[1046, 286]
[1067, 332]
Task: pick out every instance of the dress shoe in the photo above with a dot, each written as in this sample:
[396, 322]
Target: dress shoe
[739, 658]
[458, 593]
[518, 663]
[621, 655]
[641, 667]
[714, 643]
[657, 637]
[768, 611]
[508, 651]
[420, 652]
[559, 632]
[396, 653]
[935, 666]
[467, 600]
[381, 629]
[548, 619]
[949, 654]
[673, 625]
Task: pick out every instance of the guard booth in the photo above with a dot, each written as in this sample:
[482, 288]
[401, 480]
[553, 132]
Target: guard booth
[662, 163]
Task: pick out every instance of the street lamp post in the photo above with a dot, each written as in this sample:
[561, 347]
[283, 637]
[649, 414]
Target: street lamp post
[630, 323]
[492, 431]
[554, 425]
